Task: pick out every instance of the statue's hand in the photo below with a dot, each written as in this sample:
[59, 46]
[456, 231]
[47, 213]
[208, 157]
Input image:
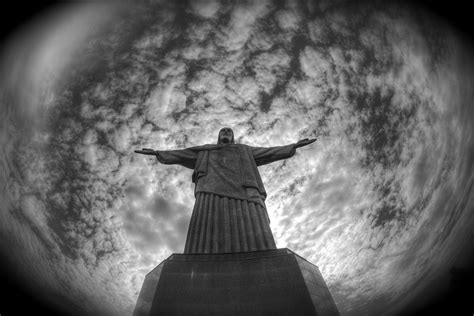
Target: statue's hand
[146, 151]
[305, 142]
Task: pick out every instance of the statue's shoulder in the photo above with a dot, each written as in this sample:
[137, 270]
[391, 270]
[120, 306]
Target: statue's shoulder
[208, 147]
[202, 147]
[243, 146]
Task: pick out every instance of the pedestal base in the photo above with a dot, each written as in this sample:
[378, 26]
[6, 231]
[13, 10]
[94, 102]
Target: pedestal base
[271, 282]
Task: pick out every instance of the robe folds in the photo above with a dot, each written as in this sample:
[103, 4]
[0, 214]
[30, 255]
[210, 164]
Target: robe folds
[229, 214]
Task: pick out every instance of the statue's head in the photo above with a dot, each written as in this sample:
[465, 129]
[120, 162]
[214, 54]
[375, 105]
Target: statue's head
[226, 136]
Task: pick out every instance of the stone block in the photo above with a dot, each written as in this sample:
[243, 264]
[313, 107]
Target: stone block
[267, 282]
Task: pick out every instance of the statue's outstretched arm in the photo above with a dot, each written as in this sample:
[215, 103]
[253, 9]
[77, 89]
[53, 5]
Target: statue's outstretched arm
[305, 142]
[146, 151]
[184, 157]
[264, 155]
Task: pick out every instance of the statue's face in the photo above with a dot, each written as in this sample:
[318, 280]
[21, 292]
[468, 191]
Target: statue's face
[226, 135]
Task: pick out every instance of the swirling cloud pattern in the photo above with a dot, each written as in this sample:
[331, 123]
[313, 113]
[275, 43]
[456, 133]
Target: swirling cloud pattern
[382, 203]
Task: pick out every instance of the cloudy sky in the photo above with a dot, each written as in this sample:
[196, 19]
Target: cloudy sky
[382, 203]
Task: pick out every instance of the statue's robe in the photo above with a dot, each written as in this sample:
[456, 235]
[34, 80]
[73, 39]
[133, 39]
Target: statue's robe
[229, 213]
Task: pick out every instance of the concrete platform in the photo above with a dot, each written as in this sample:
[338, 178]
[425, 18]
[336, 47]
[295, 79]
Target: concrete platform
[268, 282]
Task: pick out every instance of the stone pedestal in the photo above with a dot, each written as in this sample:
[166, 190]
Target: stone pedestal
[268, 282]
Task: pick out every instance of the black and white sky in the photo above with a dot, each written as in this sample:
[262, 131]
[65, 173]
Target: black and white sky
[382, 203]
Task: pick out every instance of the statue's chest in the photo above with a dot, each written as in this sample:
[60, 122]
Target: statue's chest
[226, 158]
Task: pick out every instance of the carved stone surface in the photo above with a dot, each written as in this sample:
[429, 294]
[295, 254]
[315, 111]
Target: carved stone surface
[147, 293]
[220, 224]
[319, 292]
[229, 213]
[264, 282]
[230, 264]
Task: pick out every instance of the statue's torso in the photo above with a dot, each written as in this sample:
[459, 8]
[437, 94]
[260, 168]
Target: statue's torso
[228, 215]
[224, 171]
[223, 175]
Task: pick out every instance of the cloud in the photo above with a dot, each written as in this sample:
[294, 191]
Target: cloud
[242, 20]
[374, 203]
[205, 8]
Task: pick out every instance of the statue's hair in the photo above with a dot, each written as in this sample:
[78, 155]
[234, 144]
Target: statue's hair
[232, 140]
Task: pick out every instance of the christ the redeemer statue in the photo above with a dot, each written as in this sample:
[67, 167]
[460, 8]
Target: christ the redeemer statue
[229, 213]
